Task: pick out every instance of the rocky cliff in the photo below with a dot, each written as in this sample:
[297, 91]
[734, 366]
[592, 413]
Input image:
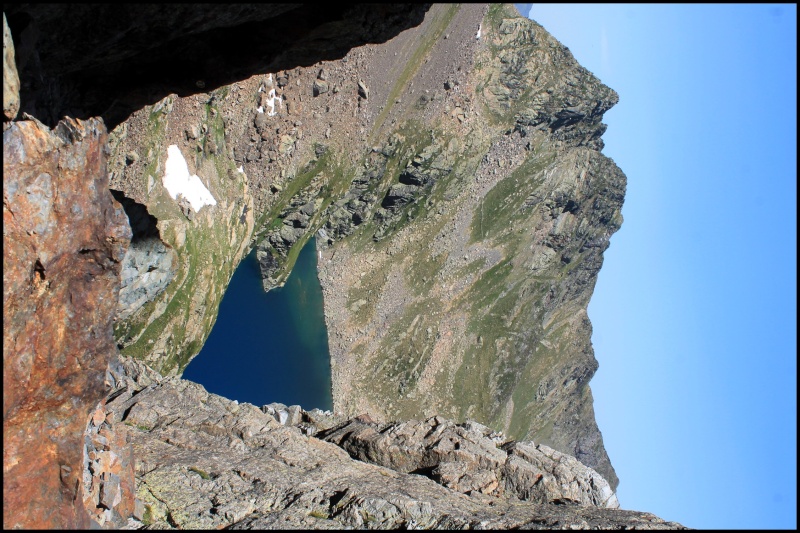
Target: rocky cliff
[207, 462]
[452, 172]
[64, 238]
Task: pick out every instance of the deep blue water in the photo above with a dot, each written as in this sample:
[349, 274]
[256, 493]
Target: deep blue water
[269, 347]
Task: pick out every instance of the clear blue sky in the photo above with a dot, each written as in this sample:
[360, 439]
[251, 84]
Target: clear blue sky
[695, 308]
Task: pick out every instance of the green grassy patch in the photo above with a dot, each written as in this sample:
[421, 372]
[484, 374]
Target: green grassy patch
[421, 276]
[408, 348]
[202, 473]
[137, 426]
[501, 209]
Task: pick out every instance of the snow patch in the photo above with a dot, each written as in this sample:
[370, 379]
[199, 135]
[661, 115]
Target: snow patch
[271, 102]
[271, 98]
[178, 181]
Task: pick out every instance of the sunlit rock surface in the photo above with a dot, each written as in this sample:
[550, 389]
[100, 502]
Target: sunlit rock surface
[64, 238]
[207, 462]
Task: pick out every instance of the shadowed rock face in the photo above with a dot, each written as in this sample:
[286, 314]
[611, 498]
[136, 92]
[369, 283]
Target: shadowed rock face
[149, 265]
[104, 60]
[64, 237]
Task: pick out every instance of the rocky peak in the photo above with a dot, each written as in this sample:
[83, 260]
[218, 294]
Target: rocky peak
[538, 81]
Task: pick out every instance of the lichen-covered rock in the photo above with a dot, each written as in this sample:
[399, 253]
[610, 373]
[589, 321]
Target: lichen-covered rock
[207, 462]
[64, 238]
[471, 458]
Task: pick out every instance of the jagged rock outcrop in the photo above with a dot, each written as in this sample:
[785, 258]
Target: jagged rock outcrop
[471, 457]
[64, 238]
[10, 76]
[296, 219]
[207, 462]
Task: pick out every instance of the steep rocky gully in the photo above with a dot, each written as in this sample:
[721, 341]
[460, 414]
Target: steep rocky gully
[448, 160]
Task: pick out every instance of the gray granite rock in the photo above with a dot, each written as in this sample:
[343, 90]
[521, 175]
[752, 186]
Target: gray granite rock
[468, 458]
[209, 462]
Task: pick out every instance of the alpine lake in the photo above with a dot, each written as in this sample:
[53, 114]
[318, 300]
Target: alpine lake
[269, 347]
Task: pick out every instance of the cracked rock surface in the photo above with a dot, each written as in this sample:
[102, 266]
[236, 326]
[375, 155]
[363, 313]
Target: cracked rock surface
[64, 238]
[207, 462]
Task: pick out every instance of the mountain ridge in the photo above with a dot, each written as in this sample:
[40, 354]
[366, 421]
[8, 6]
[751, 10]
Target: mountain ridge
[454, 179]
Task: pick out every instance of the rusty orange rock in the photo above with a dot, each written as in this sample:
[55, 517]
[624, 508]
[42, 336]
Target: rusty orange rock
[98, 417]
[63, 239]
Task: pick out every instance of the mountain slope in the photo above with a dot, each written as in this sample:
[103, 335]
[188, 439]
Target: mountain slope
[455, 177]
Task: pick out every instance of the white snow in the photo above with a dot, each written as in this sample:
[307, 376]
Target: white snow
[271, 102]
[479, 31]
[178, 181]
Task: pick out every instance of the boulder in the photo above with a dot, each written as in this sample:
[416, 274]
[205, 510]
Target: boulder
[320, 87]
[363, 90]
[399, 195]
[110, 495]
